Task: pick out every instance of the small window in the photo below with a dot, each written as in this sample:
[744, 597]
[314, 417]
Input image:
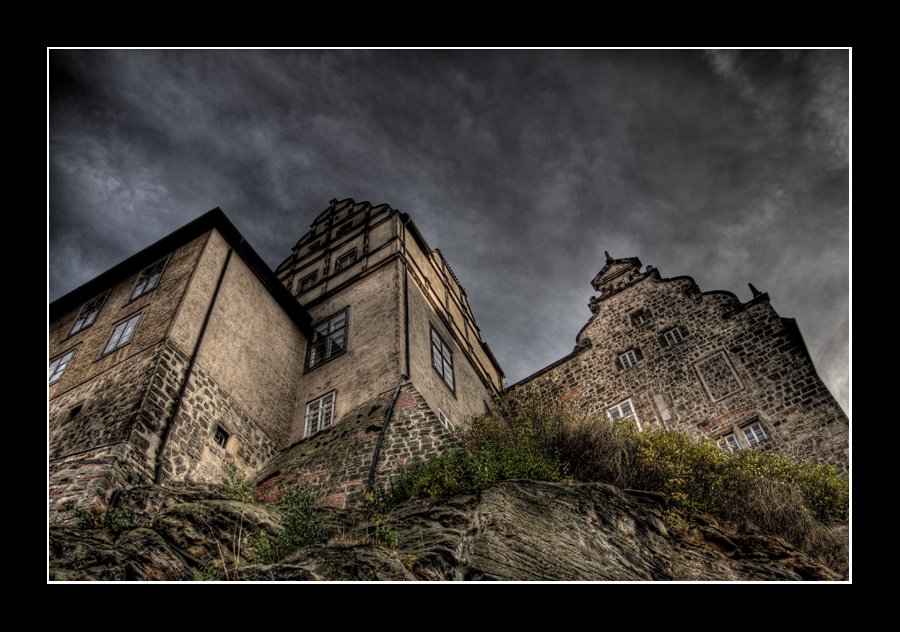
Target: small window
[149, 279]
[315, 246]
[319, 414]
[346, 261]
[640, 318]
[729, 443]
[346, 228]
[444, 421]
[57, 367]
[308, 283]
[673, 336]
[624, 411]
[121, 334]
[220, 437]
[442, 359]
[629, 359]
[89, 313]
[329, 339]
[754, 434]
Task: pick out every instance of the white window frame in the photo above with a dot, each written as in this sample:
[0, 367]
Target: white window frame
[224, 434]
[88, 313]
[730, 443]
[442, 359]
[121, 334]
[58, 366]
[444, 420]
[624, 410]
[640, 319]
[329, 339]
[673, 336]
[149, 279]
[320, 414]
[628, 359]
[754, 433]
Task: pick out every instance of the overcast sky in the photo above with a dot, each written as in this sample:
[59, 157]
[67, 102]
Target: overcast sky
[523, 167]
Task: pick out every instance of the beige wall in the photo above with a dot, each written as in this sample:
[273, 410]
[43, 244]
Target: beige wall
[373, 359]
[251, 347]
[159, 305]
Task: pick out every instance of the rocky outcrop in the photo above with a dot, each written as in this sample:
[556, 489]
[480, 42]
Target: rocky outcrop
[516, 530]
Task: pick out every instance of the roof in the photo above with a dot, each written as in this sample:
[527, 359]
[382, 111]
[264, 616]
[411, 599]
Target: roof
[213, 219]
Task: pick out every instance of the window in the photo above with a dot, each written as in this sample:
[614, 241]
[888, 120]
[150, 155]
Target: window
[673, 336]
[729, 443]
[319, 414]
[220, 437]
[442, 359]
[121, 334]
[329, 339]
[315, 246]
[629, 359]
[56, 368]
[624, 411]
[149, 279]
[343, 230]
[754, 434]
[346, 261]
[444, 421]
[88, 313]
[640, 318]
[307, 283]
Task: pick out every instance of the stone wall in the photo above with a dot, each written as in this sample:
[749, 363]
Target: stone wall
[335, 462]
[130, 406]
[738, 364]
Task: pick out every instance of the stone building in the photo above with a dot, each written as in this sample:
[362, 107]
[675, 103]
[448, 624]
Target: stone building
[193, 359]
[666, 355]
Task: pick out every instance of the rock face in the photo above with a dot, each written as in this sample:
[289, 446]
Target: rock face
[516, 530]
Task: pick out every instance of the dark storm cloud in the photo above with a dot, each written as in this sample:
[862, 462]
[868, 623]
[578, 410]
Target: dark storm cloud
[521, 166]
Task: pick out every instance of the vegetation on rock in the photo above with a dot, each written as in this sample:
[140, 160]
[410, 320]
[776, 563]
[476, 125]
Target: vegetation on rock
[528, 436]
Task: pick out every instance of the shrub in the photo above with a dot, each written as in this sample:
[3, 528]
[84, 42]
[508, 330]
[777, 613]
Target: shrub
[301, 524]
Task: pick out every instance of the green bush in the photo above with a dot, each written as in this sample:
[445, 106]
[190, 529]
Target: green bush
[114, 519]
[529, 436]
[301, 527]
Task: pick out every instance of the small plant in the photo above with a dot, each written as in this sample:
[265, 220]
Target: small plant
[301, 524]
[385, 534]
[114, 520]
[238, 486]
[409, 561]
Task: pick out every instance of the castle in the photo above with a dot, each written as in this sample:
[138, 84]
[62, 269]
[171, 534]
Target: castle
[193, 359]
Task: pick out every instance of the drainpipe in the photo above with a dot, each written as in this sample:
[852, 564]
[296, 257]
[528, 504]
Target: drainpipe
[171, 421]
[387, 418]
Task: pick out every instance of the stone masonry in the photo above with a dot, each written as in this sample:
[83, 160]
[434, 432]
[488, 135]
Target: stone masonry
[701, 363]
[335, 462]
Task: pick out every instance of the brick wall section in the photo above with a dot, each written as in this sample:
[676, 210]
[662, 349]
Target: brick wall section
[738, 364]
[336, 461]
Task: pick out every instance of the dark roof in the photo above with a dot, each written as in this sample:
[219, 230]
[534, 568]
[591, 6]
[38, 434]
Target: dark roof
[213, 219]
